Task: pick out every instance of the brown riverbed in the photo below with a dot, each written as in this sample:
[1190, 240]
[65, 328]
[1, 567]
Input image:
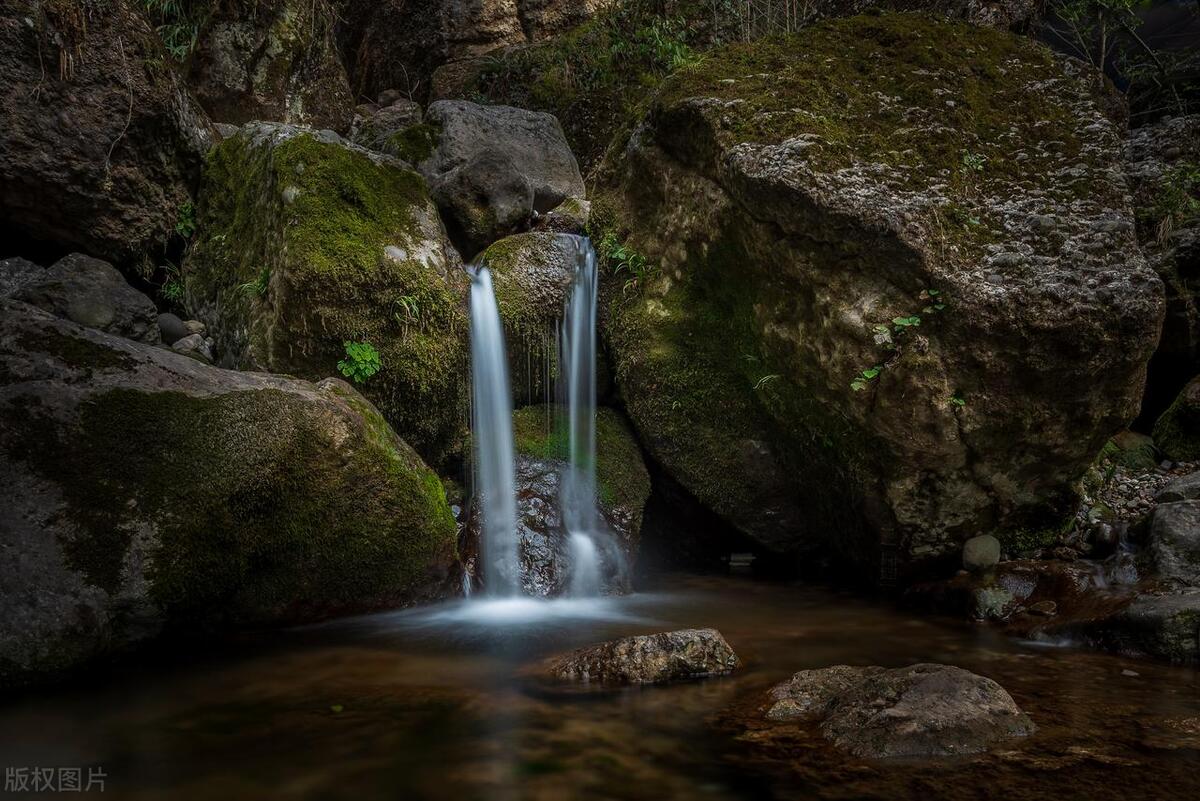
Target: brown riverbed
[423, 705]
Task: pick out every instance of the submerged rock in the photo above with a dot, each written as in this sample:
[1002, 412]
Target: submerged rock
[829, 290]
[809, 694]
[647, 659]
[92, 293]
[105, 145]
[306, 243]
[923, 711]
[1164, 626]
[145, 490]
[271, 60]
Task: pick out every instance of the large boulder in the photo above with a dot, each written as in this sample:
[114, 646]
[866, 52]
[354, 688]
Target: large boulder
[483, 199]
[1177, 430]
[146, 490]
[923, 711]
[543, 545]
[1161, 625]
[809, 694]
[647, 659]
[306, 243]
[100, 143]
[889, 292]
[92, 293]
[1175, 542]
[271, 60]
[1160, 157]
[531, 140]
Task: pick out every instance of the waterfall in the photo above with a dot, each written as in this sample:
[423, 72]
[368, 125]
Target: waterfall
[578, 488]
[491, 425]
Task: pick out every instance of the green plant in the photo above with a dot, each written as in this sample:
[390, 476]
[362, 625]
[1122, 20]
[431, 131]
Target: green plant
[178, 23]
[185, 224]
[407, 310]
[974, 162]
[1178, 200]
[957, 400]
[259, 285]
[172, 289]
[361, 362]
[766, 379]
[866, 377]
[625, 260]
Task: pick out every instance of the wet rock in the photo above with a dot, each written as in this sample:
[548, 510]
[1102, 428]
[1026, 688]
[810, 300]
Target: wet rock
[738, 223]
[1164, 626]
[16, 273]
[1184, 488]
[543, 548]
[103, 151]
[92, 293]
[483, 199]
[334, 244]
[1175, 542]
[981, 553]
[1043, 608]
[271, 60]
[922, 711]
[569, 217]
[647, 659]
[532, 141]
[171, 328]
[809, 694]
[117, 456]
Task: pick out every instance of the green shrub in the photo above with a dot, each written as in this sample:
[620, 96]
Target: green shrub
[361, 362]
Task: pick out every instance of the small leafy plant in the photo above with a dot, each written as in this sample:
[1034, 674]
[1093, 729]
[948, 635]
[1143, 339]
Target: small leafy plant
[259, 285]
[172, 287]
[407, 310]
[957, 400]
[361, 362]
[185, 225]
[975, 162]
[625, 260]
[864, 378]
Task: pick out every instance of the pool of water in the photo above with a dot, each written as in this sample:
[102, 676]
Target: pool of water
[431, 703]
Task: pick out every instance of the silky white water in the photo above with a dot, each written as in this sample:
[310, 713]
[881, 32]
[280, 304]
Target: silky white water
[491, 425]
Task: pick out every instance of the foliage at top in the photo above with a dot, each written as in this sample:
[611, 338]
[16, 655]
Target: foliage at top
[1106, 34]
[178, 22]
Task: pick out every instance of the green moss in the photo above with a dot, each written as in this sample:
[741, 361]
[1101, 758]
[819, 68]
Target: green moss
[1177, 430]
[319, 218]
[259, 511]
[415, 143]
[621, 476]
[76, 352]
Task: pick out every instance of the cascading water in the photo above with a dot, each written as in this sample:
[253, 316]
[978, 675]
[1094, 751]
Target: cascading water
[491, 423]
[587, 534]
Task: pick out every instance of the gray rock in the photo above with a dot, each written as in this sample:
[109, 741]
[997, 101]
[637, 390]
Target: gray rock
[378, 131]
[195, 327]
[171, 328]
[117, 455]
[106, 158]
[981, 553]
[533, 141]
[1175, 542]
[194, 345]
[388, 96]
[923, 711]
[1184, 488]
[569, 217]
[647, 659]
[16, 273]
[482, 200]
[809, 694]
[1162, 626]
[92, 293]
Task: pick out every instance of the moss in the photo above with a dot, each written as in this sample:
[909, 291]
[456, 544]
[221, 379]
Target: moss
[76, 352]
[331, 281]
[260, 510]
[621, 476]
[1177, 430]
[1032, 538]
[415, 143]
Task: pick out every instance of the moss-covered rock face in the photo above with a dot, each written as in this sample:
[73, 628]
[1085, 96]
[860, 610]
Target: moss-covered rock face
[305, 243]
[891, 293]
[271, 60]
[149, 490]
[1177, 432]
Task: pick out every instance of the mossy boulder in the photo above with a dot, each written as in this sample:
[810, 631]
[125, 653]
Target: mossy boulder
[305, 243]
[147, 491]
[531, 276]
[1177, 431]
[889, 294]
[101, 144]
[271, 60]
